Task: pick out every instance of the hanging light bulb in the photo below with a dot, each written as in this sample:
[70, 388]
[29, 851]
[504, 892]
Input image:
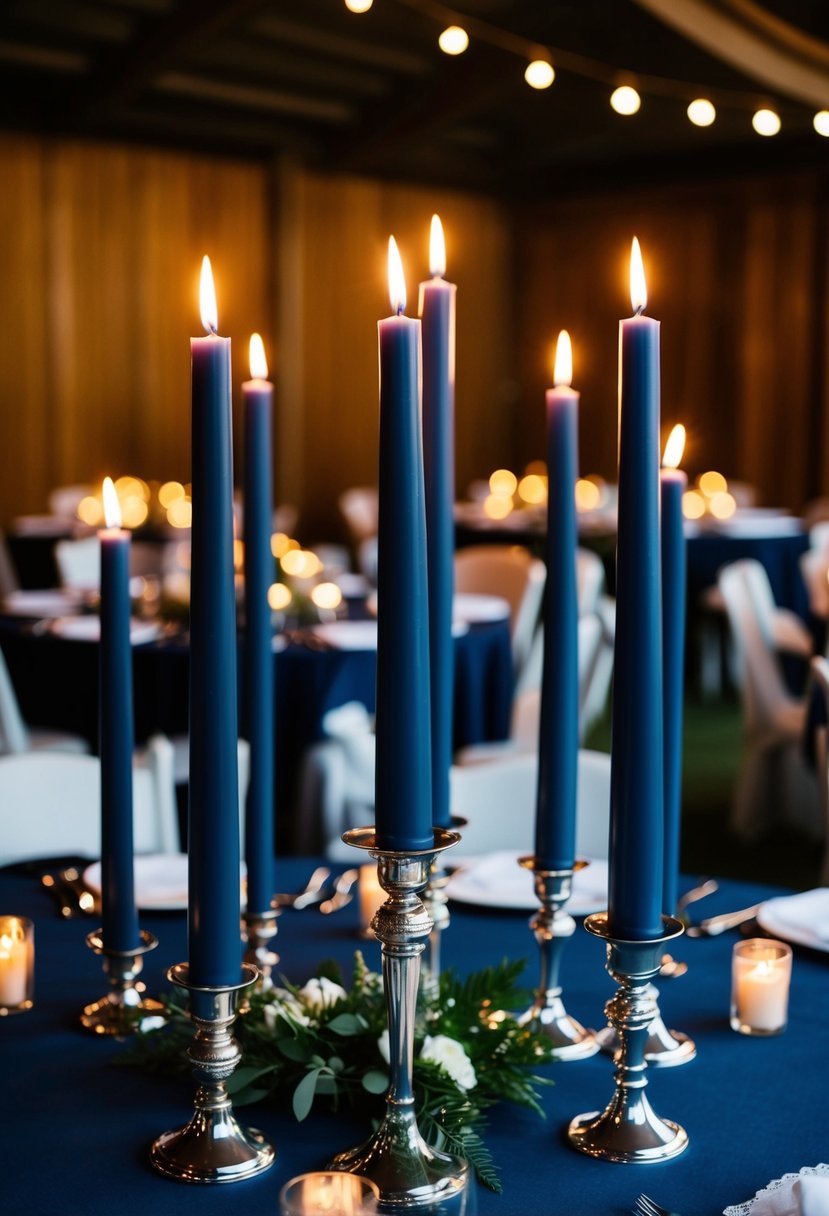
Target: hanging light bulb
[539, 74]
[766, 122]
[358, 6]
[821, 122]
[454, 40]
[702, 112]
[625, 99]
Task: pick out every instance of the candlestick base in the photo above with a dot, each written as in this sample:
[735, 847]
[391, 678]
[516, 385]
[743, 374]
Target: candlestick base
[664, 1048]
[552, 928]
[124, 1008]
[408, 1172]
[212, 1147]
[629, 1131]
[259, 928]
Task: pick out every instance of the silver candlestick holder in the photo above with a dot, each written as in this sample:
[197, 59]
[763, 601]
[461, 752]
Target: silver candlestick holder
[436, 901]
[629, 1130]
[407, 1171]
[259, 929]
[664, 1048]
[212, 1147]
[552, 928]
[125, 1006]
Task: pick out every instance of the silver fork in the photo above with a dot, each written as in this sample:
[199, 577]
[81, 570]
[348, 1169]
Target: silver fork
[647, 1207]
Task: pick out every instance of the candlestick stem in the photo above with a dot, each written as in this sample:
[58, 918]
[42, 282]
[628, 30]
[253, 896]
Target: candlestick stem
[259, 929]
[629, 1130]
[664, 1048]
[408, 1172]
[212, 1147]
[552, 928]
[124, 1007]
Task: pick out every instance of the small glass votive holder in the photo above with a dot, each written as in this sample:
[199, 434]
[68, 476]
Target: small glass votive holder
[17, 964]
[328, 1194]
[760, 974]
[371, 896]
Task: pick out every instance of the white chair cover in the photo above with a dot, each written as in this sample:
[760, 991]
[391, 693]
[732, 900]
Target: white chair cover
[16, 737]
[513, 573]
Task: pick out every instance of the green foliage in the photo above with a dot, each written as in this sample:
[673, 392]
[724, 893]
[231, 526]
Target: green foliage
[322, 1042]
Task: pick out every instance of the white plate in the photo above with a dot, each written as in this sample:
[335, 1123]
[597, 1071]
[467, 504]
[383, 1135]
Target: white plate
[88, 629]
[802, 919]
[49, 602]
[475, 608]
[160, 881]
[495, 880]
[348, 635]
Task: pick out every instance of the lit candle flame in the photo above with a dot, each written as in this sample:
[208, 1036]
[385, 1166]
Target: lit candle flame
[397, 279]
[207, 298]
[674, 448]
[638, 288]
[563, 372]
[112, 507]
[437, 249]
[258, 361]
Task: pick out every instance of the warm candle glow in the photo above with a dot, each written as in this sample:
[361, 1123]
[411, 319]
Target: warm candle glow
[453, 40]
[258, 362]
[674, 448]
[112, 507]
[207, 298]
[638, 288]
[539, 74]
[563, 371]
[701, 112]
[625, 100]
[397, 279]
[437, 249]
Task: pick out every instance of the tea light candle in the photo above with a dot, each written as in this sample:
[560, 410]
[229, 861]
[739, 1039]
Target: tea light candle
[16, 957]
[372, 896]
[328, 1194]
[761, 971]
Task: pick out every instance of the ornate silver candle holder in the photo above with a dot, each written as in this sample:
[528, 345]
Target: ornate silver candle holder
[552, 928]
[125, 1006]
[259, 929]
[664, 1048]
[437, 905]
[407, 1171]
[212, 1147]
[629, 1130]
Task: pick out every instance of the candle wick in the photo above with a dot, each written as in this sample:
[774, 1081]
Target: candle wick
[211, 329]
[400, 310]
[639, 310]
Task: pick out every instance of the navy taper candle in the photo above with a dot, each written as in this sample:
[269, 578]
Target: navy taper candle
[257, 395]
[673, 483]
[437, 311]
[558, 744]
[636, 857]
[213, 821]
[403, 772]
[119, 916]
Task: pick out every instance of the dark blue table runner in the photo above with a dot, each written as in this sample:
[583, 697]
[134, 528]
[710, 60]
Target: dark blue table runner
[76, 1129]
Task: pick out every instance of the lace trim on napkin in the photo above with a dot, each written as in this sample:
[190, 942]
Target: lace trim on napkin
[744, 1209]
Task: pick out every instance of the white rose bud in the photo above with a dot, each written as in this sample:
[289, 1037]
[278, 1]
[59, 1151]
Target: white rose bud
[452, 1058]
[319, 994]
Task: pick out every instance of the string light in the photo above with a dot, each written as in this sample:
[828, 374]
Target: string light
[358, 6]
[625, 99]
[539, 74]
[766, 122]
[702, 112]
[821, 122]
[454, 40]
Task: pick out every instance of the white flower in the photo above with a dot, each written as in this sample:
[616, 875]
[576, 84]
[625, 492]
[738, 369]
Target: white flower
[319, 994]
[383, 1046]
[282, 1001]
[452, 1058]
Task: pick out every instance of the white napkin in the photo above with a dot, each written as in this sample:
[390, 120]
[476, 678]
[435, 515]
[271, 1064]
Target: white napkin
[808, 910]
[803, 1194]
[348, 635]
[53, 601]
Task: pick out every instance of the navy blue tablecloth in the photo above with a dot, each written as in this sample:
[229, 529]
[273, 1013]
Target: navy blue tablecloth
[76, 1129]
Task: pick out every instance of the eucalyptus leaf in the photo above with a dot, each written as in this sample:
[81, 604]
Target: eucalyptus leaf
[346, 1024]
[375, 1082]
[303, 1098]
[292, 1049]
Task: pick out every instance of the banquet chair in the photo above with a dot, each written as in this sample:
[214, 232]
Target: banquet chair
[590, 580]
[50, 804]
[773, 775]
[336, 782]
[513, 573]
[783, 628]
[498, 801]
[526, 708]
[594, 703]
[820, 679]
[16, 738]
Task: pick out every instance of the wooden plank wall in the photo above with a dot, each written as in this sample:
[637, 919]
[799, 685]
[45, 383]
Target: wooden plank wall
[737, 273]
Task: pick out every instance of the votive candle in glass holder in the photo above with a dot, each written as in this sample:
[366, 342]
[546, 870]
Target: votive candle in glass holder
[372, 896]
[17, 964]
[328, 1194]
[760, 975]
